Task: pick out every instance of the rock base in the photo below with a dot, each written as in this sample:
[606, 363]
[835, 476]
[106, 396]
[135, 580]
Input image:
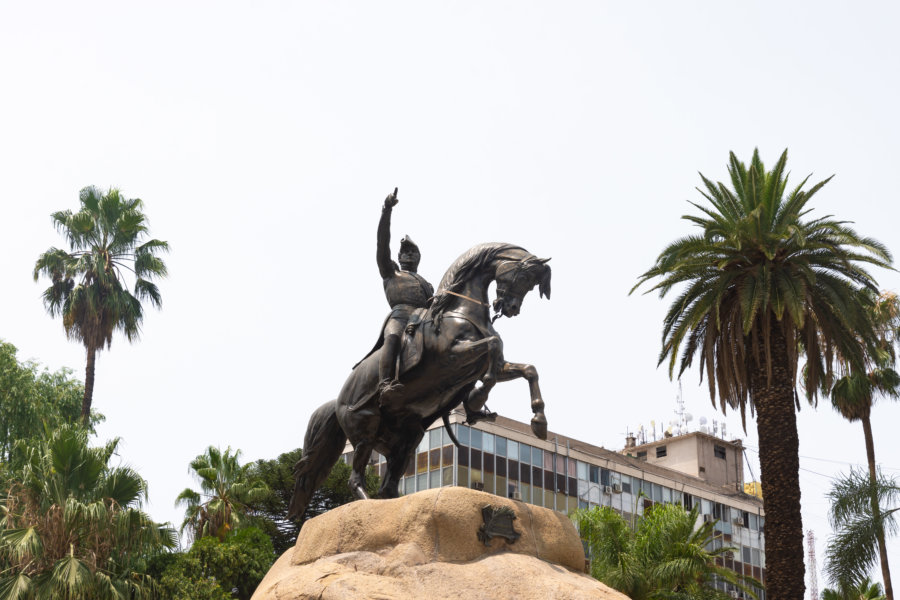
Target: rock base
[426, 546]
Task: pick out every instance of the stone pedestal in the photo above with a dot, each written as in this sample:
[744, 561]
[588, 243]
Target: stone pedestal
[427, 546]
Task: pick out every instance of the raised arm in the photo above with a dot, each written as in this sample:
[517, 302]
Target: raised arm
[383, 254]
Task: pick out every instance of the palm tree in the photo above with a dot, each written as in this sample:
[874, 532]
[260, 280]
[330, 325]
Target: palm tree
[865, 590]
[226, 491]
[760, 287]
[854, 395]
[88, 288]
[71, 526]
[667, 555]
[853, 549]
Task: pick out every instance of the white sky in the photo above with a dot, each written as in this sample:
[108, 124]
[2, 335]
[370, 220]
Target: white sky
[264, 136]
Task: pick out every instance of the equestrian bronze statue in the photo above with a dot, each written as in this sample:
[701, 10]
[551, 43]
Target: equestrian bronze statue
[450, 354]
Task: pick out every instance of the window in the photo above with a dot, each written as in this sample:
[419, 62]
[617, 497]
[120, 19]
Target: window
[434, 438]
[719, 451]
[660, 452]
[595, 474]
[462, 433]
[500, 446]
[525, 454]
[582, 471]
[642, 455]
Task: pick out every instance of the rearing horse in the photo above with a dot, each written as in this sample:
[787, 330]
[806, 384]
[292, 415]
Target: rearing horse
[461, 360]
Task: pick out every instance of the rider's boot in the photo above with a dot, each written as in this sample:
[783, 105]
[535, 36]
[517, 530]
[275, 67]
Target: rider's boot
[389, 387]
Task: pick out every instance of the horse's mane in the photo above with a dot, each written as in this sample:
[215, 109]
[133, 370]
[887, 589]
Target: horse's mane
[464, 268]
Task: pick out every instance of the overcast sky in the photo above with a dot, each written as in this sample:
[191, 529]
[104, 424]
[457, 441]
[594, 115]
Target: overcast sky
[263, 138]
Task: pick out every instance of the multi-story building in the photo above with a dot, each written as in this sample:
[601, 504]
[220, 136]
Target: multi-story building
[564, 474]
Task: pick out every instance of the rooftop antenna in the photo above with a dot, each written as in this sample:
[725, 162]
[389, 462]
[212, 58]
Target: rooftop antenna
[680, 424]
[715, 427]
[813, 577]
[703, 428]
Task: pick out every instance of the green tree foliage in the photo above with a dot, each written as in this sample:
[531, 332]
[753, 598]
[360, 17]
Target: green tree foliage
[854, 395]
[865, 590]
[852, 551]
[217, 570]
[760, 286]
[71, 525]
[271, 512]
[666, 556]
[226, 490]
[34, 401]
[106, 238]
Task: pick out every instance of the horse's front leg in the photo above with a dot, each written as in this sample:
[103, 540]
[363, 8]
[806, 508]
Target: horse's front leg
[467, 351]
[511, 371]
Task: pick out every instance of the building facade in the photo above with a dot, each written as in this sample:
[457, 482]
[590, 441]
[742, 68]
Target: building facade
[565, 474]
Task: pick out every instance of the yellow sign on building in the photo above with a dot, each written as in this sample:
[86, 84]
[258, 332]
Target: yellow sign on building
[754, 488]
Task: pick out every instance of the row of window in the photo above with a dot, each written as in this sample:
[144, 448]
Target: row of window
[506, 467]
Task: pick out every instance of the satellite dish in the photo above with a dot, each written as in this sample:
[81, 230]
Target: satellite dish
[703, 429]
[688, 417]
[702, 422]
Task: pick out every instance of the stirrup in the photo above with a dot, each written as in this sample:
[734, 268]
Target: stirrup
[388, 389]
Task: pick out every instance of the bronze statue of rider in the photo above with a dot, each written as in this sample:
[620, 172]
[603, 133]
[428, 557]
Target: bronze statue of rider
[405, 290]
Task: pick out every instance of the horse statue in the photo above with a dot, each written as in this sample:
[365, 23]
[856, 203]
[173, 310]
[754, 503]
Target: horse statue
[451, 355]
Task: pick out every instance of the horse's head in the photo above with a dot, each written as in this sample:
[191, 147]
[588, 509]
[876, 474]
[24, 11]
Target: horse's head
[515, 278]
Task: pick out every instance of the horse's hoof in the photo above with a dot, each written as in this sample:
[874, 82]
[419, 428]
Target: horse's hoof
[480, 415]
[539, 426]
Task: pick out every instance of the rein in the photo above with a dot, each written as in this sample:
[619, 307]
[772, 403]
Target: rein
[467, 298]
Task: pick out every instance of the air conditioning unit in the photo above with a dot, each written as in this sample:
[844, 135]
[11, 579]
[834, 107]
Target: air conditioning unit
[607, 489]
[478, 485]
[708, 518]
[734, 593]
[517, 495]
[739, 521]
[617, 488]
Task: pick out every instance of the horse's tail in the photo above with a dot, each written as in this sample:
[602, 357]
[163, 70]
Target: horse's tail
[322, 446]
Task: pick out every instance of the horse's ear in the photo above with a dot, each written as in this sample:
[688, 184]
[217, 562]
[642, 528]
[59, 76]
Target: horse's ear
[545, 280]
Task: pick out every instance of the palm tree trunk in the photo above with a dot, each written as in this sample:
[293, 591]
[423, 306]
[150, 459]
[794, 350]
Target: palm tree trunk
[876, 510]
[779, 462]
[88, 386]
